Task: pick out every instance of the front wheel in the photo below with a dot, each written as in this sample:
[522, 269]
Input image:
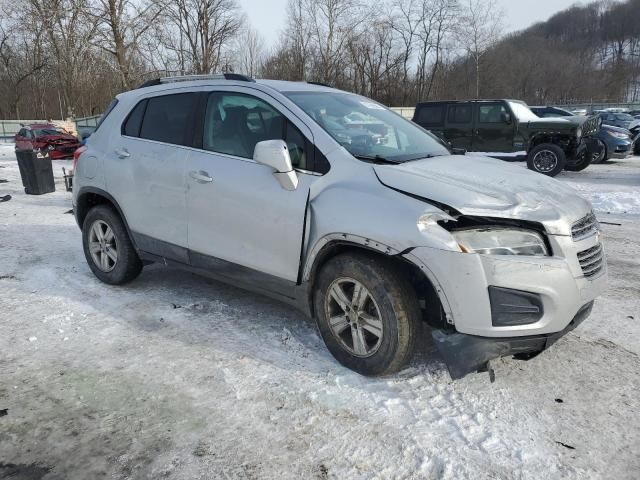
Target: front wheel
[367, 313]
[580, 164]
[547, 158]
[600, 156]
[108, 248]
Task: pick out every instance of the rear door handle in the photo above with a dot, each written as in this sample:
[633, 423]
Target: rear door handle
[201, 176]
[122, 152]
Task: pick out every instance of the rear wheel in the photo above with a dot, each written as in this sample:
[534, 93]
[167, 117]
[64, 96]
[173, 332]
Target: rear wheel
[547, 158]
[367, 313]
[108, 248]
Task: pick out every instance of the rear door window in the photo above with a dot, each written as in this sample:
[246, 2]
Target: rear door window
[459, 114]
[431, 115]
[168, 119]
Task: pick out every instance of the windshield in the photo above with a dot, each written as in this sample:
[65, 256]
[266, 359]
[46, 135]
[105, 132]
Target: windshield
[367, 129]
[624, 117]
[522, 112]
[47, 131]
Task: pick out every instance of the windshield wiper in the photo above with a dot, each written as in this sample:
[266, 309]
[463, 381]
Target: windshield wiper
[375, 159]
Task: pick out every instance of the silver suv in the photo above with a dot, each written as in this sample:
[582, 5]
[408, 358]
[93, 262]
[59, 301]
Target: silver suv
[333, 203]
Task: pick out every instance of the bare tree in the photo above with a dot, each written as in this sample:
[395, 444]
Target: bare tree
[332, 22]
[68, 33]
[19, 60]
[478, 30]
[297, 37]
[248, 52]
[202, 29]
[121, 25]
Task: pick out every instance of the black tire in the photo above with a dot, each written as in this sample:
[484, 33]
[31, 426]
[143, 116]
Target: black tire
[128, 264]
[556, 156]
[603, 156]
[393, 297]
[578, 165]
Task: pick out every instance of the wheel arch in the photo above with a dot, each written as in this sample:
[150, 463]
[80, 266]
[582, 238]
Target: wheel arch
[433, 303]
[89, 197]
[562, 140]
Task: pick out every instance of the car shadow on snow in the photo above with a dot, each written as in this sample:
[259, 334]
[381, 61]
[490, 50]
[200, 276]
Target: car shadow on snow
[177, 304]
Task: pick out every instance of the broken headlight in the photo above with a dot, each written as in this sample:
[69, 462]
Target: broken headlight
[500, 241]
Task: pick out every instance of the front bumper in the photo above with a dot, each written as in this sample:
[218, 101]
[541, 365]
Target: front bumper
[463, 282]
[63, 151]
[621, 149]
[562, 290]
[465, 354]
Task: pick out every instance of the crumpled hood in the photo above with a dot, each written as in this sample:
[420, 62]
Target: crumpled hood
[488, 187]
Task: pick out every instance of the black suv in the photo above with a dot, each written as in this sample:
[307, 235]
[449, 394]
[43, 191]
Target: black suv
[509, 129]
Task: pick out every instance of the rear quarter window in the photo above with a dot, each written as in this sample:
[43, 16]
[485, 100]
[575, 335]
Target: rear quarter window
[109, 109]
[132, 124]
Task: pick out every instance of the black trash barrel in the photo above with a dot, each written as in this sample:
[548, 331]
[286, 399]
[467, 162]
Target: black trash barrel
[36, 173]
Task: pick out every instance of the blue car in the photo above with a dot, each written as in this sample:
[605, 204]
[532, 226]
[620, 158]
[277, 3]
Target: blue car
[617, 142]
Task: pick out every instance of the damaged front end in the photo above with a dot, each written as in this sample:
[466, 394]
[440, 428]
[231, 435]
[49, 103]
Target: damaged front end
[464, 354]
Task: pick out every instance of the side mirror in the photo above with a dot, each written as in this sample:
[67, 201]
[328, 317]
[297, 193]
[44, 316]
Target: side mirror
[506, 118]
[459, 151]
[275, 154]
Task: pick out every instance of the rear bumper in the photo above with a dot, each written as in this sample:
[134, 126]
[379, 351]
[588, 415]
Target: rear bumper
[464, 354]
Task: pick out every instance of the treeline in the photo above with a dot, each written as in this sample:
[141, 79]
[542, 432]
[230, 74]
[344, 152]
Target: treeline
[69, 57]
[583, 54]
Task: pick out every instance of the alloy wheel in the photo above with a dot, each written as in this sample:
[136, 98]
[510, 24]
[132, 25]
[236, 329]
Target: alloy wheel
[103, 246]
[599, 155]
[545, 161]
[354, 317]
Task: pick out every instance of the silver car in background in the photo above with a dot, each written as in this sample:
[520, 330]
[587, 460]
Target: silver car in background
[331, 202]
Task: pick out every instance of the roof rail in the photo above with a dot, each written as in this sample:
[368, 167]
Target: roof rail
[320, 84]
[187, 78]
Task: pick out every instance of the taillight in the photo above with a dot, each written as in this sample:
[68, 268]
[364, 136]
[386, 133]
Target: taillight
[76, 155]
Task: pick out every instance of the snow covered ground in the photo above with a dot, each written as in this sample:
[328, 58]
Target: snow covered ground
[179, 377]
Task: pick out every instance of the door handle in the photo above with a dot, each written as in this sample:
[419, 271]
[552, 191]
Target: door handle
[201, 176]
[122, 152]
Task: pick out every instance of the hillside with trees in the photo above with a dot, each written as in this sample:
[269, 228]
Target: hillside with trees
[69, 57]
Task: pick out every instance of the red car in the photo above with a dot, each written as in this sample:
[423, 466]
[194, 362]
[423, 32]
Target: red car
[46, 139]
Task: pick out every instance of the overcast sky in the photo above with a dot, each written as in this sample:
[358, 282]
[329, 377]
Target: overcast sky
[268, 16]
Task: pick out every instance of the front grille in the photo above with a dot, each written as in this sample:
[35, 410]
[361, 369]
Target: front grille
[591, 260]
[591, 126]
[585, 227]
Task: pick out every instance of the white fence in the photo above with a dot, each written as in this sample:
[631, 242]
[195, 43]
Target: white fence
[9, 128]
[406, 112]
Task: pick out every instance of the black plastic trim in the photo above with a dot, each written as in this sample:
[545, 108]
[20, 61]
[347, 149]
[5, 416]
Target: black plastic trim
[242, 276]
[464, 354]
[161, 248]
[514, 307]
[102, 193]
